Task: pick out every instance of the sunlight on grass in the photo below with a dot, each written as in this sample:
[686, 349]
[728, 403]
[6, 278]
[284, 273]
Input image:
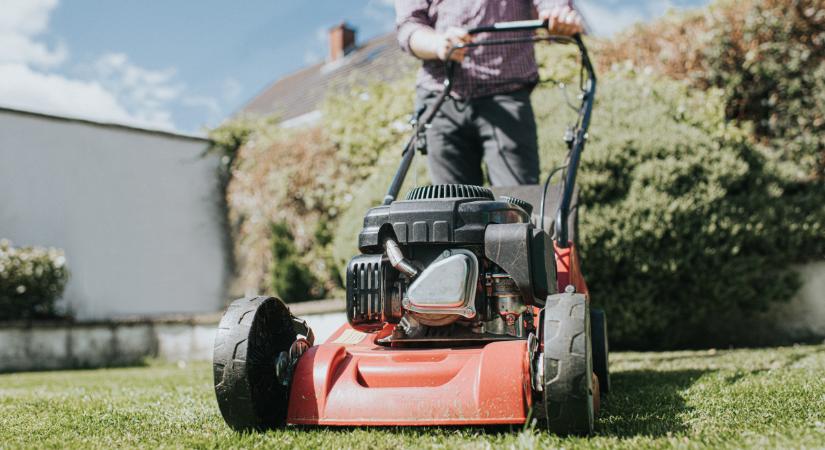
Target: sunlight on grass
[702, 399]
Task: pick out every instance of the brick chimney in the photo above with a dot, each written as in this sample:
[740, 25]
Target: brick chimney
[341, 41]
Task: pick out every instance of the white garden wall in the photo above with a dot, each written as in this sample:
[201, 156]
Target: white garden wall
[138, 213]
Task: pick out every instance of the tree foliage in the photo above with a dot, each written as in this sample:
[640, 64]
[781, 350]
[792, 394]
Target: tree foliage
[768, 56]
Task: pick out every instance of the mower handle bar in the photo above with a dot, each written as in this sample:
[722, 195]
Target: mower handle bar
[518, 25]
[579, 135]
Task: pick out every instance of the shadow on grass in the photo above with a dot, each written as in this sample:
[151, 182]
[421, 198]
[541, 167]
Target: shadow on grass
[649, 358]
[647, 403]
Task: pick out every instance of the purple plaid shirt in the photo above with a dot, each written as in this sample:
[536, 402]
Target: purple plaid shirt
[486, 70]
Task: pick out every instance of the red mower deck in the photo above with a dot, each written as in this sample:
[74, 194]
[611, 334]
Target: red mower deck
[351, 380]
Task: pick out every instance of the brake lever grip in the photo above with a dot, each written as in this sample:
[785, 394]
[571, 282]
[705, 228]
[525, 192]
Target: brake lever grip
[518, 25]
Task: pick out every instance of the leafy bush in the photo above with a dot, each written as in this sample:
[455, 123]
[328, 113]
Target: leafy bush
[289, 278]
[32, 279]
[683, 218]
[385, 106]
[284, 177]
[767, 55]
[774, 76]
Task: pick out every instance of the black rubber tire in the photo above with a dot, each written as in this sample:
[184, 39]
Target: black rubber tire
[568, 367]
[601, 352]
[251, 335]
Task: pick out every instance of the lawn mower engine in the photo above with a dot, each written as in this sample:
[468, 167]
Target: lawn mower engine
[450, 264]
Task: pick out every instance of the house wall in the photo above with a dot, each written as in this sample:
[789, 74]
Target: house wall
[804, 315]
[137, 212]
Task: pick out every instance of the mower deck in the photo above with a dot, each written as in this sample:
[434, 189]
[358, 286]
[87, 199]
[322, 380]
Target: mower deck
[351, 380]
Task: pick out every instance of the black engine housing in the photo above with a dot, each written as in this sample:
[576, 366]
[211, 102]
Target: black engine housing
[436, 218]
[460, 221]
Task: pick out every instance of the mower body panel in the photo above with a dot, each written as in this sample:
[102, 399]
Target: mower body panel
[568, 270]
[350, 380]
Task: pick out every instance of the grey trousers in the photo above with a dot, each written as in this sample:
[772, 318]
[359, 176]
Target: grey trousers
[499, 130]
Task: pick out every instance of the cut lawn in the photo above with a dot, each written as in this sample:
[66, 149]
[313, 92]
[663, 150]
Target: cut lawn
[716, 399]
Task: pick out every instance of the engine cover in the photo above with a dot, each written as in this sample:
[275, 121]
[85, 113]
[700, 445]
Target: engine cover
[446, 290]
[453, 221]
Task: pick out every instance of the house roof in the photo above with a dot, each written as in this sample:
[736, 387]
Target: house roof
[300, 93]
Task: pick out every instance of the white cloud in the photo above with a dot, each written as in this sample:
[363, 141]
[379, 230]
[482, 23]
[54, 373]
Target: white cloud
[25, 88]
[314, 54]
[311, 57]
[145, 92]
[210, 104]
[28, 17]
[605, 20]
[21, 22]
[21, 49]
[112, 89]
[607, 17]
[232, 89]
[381, 11]
[322, 34]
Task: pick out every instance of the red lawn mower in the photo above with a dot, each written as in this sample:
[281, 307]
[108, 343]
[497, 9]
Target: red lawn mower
[462, 308]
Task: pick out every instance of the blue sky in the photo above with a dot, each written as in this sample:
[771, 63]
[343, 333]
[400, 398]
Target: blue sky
[183, 65]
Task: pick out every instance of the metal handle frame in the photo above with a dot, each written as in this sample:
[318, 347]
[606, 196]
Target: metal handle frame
[579, 133]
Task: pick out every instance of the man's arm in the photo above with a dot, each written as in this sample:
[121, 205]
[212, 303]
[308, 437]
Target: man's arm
[560, 15]
[417, 36]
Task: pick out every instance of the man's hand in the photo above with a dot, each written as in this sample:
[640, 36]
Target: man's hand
[428, 44]
[452, 37]
[562, 20]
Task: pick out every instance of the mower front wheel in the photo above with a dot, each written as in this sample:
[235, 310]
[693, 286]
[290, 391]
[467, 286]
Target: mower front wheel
[567, 390]
[251, 336]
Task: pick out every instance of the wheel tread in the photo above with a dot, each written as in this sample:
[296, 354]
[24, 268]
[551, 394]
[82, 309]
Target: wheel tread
[567, 390]
[239, 362]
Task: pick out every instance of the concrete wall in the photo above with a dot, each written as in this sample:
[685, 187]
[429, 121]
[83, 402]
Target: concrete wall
[804, 316]
[45, 346]
[137, 212]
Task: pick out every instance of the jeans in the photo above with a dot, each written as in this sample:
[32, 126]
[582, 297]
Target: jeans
[499, 130]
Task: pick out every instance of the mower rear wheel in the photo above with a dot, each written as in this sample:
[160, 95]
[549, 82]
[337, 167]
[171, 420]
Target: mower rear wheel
[252, 334]
[567, 394]
[598, 325]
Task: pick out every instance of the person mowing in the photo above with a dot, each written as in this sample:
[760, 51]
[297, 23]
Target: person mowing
[489, 116]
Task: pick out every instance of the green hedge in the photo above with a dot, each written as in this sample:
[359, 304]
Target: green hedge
[688, 229]
[32, 279]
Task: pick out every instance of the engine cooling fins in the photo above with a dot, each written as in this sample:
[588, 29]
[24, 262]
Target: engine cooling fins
[518, 202]
[439, 191]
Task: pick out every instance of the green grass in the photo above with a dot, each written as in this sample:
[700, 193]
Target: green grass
[722, 399]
